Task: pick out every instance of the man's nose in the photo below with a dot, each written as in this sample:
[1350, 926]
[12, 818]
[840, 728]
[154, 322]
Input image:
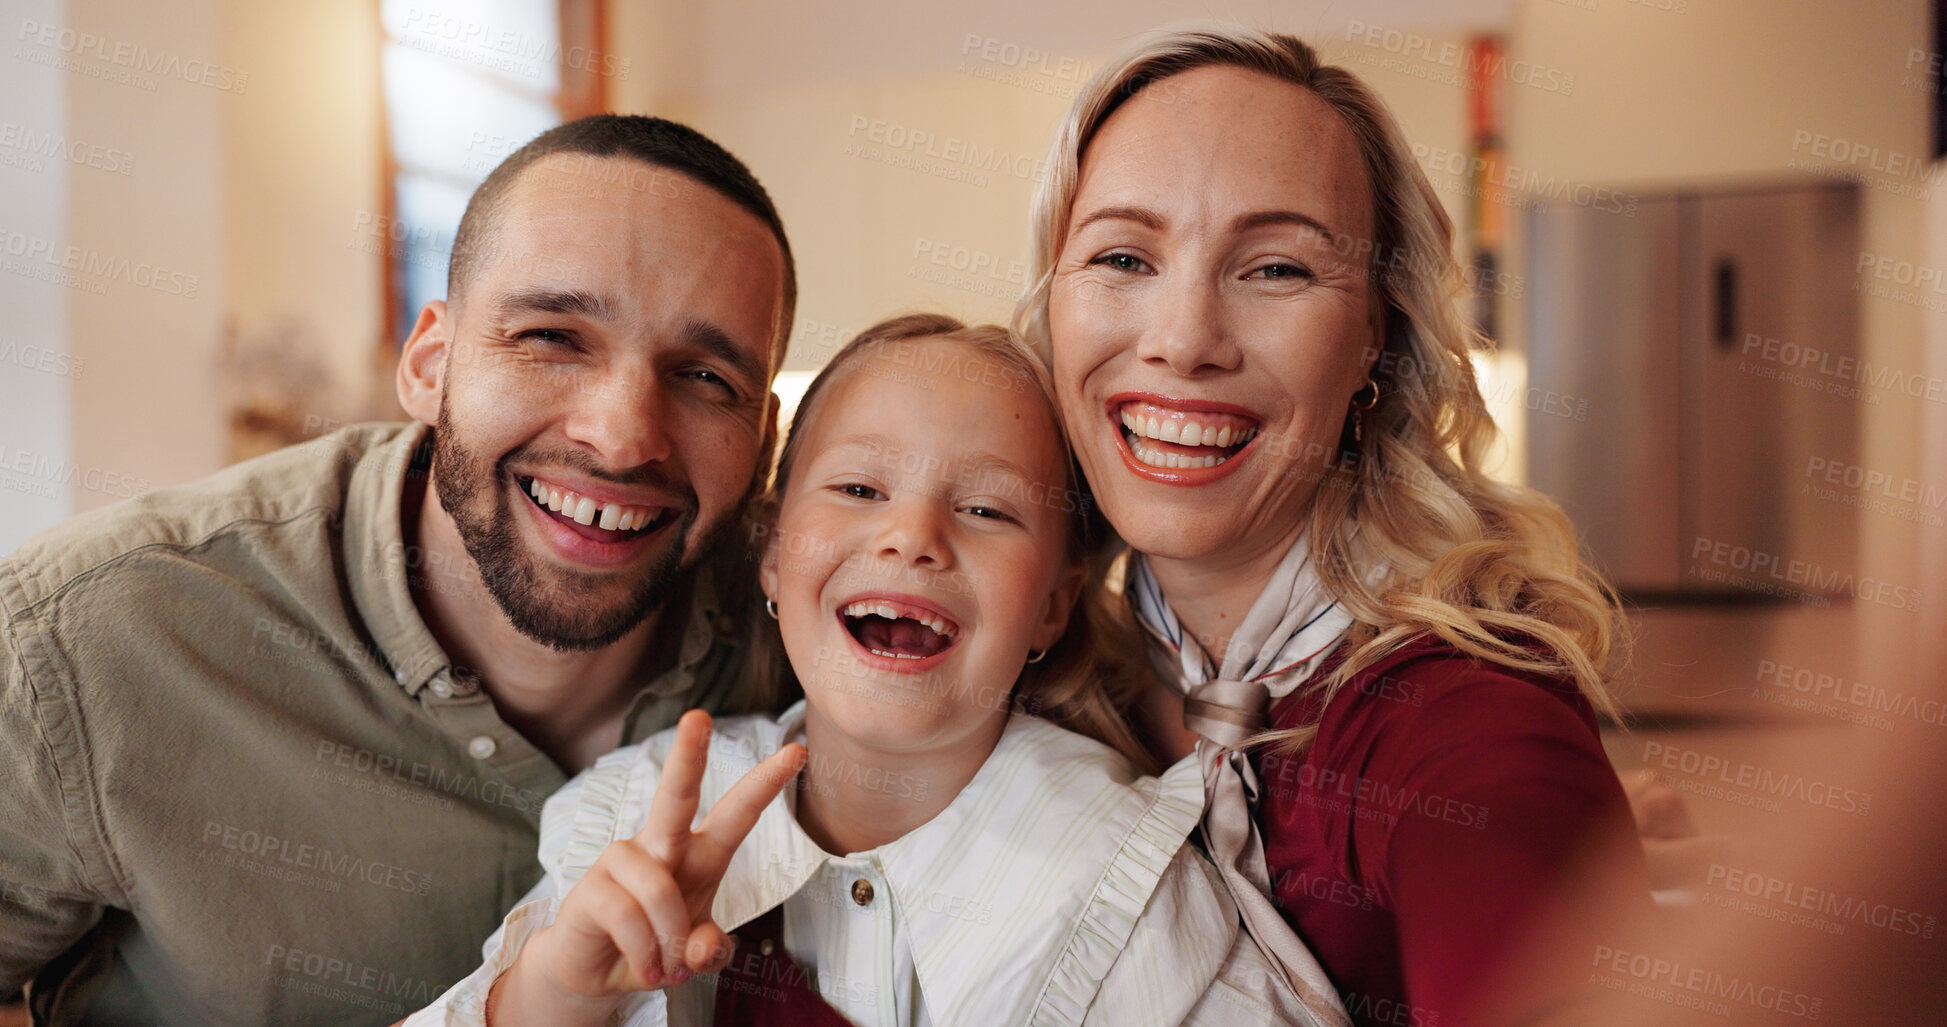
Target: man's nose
[621, 417]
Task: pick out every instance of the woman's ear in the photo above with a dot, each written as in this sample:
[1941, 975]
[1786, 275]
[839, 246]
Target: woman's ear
[1060, 606]
[421, 379]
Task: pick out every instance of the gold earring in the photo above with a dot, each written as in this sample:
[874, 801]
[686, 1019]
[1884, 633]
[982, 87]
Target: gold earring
[1359, 409]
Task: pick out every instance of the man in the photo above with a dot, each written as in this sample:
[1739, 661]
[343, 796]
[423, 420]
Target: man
[276, 742]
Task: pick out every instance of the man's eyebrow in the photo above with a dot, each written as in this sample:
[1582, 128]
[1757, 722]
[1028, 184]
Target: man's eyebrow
[1258, 219]
[556, 301]
[1127, 212]
[719, 344]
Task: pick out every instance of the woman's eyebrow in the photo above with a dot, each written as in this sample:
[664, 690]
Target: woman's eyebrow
[1127, 212]
[1261, 218]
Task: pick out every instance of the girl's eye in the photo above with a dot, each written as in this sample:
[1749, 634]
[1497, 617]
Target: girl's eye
[1121, 262]
[859, 491]
[987, 512]
[1282, 271]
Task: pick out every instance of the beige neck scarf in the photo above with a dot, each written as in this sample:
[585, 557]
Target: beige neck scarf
[1284, 638]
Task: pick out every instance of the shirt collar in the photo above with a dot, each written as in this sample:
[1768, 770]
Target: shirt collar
[378, 559]
[1023, 927]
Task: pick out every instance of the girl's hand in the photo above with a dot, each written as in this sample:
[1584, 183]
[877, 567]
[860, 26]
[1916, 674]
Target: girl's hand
[640, 918]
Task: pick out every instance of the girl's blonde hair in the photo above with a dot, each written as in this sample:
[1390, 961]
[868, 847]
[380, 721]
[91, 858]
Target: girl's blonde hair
[1094, 671]
[1406, 530]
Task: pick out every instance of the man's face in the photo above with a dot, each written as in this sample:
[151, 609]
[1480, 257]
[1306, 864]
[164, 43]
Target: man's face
[605, 402]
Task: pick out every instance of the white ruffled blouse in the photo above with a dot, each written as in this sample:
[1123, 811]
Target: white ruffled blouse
[1056, 888]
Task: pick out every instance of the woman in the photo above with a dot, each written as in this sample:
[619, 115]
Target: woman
[1388, 663]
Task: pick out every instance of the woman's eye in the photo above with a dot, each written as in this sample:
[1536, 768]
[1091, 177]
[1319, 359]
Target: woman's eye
[1283, 271]
[1121, 262]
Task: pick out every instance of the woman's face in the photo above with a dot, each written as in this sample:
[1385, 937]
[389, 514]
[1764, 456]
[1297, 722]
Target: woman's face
[1212, 312]
[920, 551]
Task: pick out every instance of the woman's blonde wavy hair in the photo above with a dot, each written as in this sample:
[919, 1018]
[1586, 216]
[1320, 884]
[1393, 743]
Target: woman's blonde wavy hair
[1095, 671]
[1406, 530]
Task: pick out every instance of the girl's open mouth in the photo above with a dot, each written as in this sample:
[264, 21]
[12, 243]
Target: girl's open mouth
[901, 634]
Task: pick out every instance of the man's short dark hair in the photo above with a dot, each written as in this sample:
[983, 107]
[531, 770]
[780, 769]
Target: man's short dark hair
[657, 142]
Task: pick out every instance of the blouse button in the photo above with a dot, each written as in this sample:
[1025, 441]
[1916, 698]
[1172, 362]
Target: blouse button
[862, 892]
[481, 748]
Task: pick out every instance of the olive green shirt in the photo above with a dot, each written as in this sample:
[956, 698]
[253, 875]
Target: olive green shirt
[242, 782]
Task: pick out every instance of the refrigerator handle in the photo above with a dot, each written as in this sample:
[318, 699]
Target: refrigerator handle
[1724, 302]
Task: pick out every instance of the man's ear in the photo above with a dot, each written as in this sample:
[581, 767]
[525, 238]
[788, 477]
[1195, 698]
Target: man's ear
[1060, 606]
[422, 363]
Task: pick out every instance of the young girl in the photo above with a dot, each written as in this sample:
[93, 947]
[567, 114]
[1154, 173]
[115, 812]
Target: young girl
[947, 856]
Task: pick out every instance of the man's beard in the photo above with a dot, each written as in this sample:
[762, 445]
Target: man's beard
[561, 617]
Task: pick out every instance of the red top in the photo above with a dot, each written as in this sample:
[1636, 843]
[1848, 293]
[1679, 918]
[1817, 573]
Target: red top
[1437, 808]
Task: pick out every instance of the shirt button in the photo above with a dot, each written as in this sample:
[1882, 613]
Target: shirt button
[442, 689]
[862, 892]
[399, 676]
[482, 747]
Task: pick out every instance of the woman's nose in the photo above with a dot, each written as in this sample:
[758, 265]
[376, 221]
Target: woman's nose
[1186, 330]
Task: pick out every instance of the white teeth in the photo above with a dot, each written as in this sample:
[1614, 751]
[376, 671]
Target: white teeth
[611, 517]
[867, 607]
[626, 522]
[1173, 461]
[1185, 432]
[535, 489]
[554, 499]
[584, 511]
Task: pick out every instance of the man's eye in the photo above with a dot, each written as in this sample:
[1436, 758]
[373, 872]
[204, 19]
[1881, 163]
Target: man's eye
[551, 336]
[1121, 261]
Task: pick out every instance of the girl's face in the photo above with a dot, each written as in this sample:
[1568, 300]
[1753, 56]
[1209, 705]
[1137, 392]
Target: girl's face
[919, 554]
[1211, 310]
